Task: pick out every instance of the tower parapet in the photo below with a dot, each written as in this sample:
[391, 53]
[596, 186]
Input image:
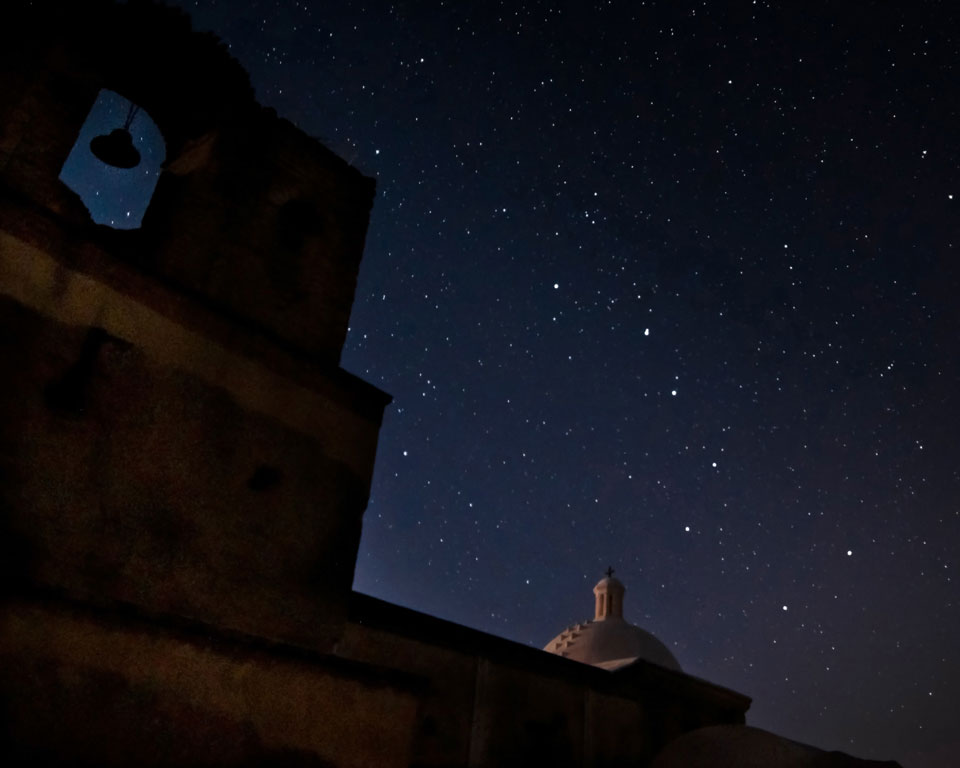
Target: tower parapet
[176, 433]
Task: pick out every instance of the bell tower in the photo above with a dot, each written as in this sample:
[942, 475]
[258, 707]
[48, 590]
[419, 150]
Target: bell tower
[172, 394]
[184, 465]
[609, 592]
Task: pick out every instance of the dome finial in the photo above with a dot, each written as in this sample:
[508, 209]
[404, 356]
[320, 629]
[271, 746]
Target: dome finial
[609, 570]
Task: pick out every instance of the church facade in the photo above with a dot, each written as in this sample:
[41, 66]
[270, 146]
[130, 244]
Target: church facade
[184, 466]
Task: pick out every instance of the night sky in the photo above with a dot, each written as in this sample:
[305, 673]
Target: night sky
[671, 287]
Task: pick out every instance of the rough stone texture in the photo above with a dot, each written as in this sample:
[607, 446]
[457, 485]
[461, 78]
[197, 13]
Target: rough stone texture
[177, 434]
[295, 223]
[129, 480]
[83, 688]
[492, 702]
[183, 465]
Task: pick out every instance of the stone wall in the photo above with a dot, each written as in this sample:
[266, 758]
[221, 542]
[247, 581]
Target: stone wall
[492, 702]
[183, 465]
[174, 429]
[107, 689]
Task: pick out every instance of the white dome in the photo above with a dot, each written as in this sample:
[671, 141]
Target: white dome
[611, 644]
[608, 641]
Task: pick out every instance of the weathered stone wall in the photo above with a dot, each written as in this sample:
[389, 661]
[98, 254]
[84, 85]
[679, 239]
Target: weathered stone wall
[82, 688]
[252, 216]
[174, 429]
[270, 227]
[178, 445]
[128, 476]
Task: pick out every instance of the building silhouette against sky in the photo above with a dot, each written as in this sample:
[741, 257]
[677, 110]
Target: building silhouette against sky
[185, 465]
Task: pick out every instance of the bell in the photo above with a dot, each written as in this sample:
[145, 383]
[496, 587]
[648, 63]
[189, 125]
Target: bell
[116, 149]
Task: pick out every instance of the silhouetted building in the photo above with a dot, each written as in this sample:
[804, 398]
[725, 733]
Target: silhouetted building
[184, 466]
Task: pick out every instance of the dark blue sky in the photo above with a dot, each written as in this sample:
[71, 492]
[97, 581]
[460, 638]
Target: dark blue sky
[668, 286]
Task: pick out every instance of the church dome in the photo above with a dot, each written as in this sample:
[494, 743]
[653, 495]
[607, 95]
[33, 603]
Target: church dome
[608, 641]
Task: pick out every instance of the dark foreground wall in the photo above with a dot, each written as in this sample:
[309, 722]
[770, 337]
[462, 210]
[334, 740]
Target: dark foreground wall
[144, 462]
[82, 687]
[492, 702]
[183, 465]
[175, 431]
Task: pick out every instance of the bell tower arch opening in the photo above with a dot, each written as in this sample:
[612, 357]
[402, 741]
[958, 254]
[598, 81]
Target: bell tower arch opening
[113, 169]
